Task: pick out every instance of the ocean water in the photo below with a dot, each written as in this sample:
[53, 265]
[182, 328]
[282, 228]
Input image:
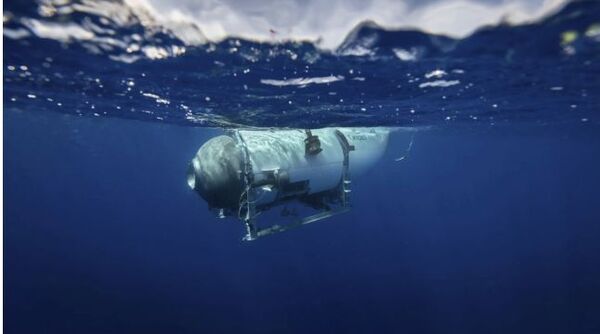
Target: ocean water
[489, 224]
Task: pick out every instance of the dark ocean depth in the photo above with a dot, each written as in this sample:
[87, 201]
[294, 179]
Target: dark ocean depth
[476, 231]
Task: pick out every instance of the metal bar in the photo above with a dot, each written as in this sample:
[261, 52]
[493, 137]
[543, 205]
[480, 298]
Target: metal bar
[304, 221]
[246, 199]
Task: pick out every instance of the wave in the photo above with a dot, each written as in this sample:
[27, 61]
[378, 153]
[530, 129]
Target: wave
[131, 30]
[115, 59]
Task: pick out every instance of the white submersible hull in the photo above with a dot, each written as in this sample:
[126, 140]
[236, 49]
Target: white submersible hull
[249, 171]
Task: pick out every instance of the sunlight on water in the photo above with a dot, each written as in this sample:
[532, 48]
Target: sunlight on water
[167, 72]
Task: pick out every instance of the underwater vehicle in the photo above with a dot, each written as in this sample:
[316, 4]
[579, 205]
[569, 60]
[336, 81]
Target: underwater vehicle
[248, 171]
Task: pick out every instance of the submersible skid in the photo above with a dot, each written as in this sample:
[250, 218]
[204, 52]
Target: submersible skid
[246, 172]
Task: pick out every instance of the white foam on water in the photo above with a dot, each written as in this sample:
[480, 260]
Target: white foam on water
[330, 21]
[435, 74]
[406, 55]
[439, 83]
[325, 22]
[302, 81]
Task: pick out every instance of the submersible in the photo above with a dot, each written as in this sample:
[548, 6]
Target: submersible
[246, 171]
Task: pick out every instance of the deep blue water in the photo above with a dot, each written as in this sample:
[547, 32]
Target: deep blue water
[480, 231]
[490, 225]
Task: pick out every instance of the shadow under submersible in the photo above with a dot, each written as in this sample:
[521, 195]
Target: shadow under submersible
[246, 172]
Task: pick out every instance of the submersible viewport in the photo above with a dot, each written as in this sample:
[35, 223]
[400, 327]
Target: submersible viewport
[246, 172]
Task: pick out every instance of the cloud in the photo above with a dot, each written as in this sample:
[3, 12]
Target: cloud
[330, 21]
